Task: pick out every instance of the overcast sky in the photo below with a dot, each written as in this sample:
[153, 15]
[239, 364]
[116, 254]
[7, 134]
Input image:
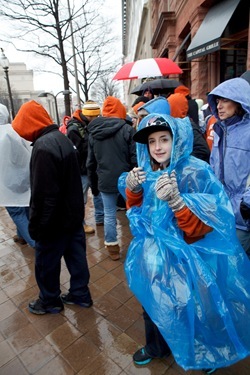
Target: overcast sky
[50, 82]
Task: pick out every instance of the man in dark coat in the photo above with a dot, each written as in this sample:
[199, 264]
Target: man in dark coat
[111, 152]
[56, 211]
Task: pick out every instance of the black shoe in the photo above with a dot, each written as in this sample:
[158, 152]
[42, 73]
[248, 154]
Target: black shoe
[209, 370]
[37, 307]
[141, 357]
[68, 299]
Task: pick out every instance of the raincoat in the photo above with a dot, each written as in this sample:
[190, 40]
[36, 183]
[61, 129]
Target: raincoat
[197, 294]
[15, 155]
[230, 156]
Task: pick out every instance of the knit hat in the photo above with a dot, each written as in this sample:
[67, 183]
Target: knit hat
[178, 105]
[91, 108]
[112, 107]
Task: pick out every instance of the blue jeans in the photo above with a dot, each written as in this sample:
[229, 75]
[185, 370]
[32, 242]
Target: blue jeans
[155, 346]
[85, 187]
[110, 231]
[20, 216]
[99, 210]
[71, 246]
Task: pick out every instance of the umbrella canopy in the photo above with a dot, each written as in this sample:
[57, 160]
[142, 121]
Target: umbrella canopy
[159, 86]
[152, 67]
[246, 76]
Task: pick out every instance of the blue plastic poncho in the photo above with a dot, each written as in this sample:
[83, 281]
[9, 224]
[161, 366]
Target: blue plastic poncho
[197, 294]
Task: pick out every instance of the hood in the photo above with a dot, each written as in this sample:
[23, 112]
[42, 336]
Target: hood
[236, 89]
[178, 105]
[137, 106]
[79, 116]
[30, 120]
[112, 107]
[4, 115]
[105, 127]
[158, 105]
[182, 90]
[182, 141]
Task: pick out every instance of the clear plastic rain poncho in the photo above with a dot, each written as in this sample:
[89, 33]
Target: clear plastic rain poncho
[14, 166]
[197, 294]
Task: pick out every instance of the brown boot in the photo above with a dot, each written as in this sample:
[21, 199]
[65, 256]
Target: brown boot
[88, 229]
[114, 251]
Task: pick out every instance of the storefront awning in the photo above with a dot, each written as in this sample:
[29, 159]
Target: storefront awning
[207, 38]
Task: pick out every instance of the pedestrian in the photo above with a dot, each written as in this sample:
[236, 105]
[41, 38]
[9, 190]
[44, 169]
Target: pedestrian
[230, 155]
[56, 211]
[185, 264]
[15, 182]
[111, 152]
[77, 132]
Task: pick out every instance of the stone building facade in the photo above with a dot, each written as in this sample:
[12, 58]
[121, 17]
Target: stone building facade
[209, 39]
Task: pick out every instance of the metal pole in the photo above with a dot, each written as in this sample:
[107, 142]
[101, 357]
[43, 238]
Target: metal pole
[74, 59]
[9, 92]
[57, 112]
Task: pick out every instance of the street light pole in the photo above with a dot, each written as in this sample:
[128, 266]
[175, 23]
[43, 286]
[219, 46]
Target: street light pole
[45, 94]
[5, 64]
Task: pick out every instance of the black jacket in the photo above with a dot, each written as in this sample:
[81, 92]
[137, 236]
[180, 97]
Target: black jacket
[111, 152]
[200, 146]
[56, 204]
[78, 134]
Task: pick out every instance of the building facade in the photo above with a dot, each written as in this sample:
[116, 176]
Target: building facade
[209, 39]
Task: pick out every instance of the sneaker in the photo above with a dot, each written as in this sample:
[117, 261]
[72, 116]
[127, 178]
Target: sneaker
[68, 299]
[209, 370]
[37, 307]
[19, 240]
[88, 229]
[141, 357]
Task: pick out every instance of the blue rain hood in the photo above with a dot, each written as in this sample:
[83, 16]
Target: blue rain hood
[157, 105]
[197, 294]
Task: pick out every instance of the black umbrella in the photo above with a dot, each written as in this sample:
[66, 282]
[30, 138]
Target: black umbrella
[159, 86]
[246, 76]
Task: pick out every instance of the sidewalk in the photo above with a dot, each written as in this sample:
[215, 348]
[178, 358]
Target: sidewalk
[99, 340]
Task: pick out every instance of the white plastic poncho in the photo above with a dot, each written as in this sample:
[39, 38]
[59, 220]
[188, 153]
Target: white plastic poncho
[15, 155]
[197, 294]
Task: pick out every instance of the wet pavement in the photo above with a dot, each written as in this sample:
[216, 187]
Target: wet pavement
[99, 340]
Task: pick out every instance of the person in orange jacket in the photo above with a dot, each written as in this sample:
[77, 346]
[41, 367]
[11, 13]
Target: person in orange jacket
[184, 252]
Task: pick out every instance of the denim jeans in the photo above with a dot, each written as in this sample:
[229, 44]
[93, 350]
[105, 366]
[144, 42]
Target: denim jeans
[110, 231]
[20, 216]
[85, 187]
[71, 246]
[99, 210]
[155, 346]
[244, 238]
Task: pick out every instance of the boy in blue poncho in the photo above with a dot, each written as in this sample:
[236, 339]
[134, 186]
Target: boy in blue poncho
[185, 264]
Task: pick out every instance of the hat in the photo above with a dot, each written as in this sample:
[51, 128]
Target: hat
[91, 108]
[154, 124]
[178, 105]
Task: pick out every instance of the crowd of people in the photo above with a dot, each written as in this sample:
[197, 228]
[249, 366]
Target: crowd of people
[188, 204]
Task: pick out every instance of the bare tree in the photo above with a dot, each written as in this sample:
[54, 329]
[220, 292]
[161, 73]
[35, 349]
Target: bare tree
[43, 28]
[104, 87]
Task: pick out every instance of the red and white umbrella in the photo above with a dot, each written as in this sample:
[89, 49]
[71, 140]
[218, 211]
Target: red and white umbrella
[152, 67]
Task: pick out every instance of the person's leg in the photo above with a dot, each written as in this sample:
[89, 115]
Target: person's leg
[47, 272]
[99, 211]
[156, 346]
[76, 262]
[110, 230]
[85, 187]
[244, 238]
[19, 216]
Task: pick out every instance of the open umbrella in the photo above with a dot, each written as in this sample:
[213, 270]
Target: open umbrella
[159, 86]
[152, 67]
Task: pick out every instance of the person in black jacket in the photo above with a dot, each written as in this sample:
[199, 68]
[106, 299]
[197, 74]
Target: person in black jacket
[56, 211]
[111, 152]
[77, 132]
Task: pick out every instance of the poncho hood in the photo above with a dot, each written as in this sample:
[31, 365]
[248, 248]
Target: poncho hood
[112, 107]
[157, 105]
[30, 120]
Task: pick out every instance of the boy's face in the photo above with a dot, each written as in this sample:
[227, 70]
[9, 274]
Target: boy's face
[160, 146]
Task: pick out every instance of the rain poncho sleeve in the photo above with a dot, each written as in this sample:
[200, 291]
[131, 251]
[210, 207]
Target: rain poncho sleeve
[197, 294]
